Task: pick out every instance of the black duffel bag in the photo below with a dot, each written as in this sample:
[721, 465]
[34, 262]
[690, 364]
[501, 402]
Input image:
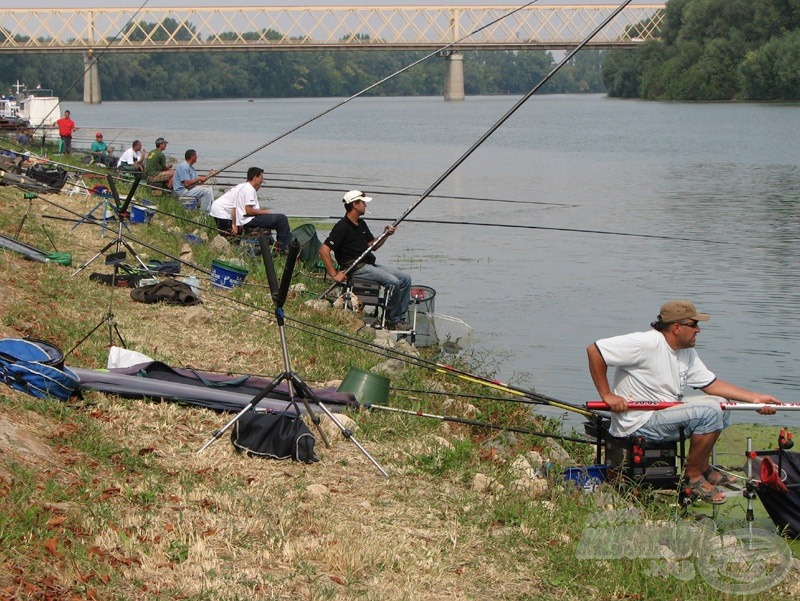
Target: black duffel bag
[274, 436]
[52, 177]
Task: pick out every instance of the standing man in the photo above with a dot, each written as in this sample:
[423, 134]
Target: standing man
[657, 365]
[349, 239]
[239, 209]
[133, 158]
[185, 181]
[155, 167]
[66, 127]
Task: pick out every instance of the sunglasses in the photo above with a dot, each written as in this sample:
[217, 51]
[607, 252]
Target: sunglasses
[695, 325]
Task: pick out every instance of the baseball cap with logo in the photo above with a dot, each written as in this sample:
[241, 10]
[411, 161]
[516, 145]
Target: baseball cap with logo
[354, 195]
[160, 141]
[677, 310]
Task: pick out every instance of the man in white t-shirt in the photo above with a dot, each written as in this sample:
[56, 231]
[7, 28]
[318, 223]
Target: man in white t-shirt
[133, 158]
[239, 208]
[656, 366]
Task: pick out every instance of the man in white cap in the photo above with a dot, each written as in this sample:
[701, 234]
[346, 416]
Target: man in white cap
[349, 239]
[657, 365]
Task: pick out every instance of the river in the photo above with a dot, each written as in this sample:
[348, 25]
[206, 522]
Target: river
[724, 175]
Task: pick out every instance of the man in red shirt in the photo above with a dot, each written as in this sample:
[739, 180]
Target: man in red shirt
[66, 127]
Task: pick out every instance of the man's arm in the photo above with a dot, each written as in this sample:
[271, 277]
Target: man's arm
[599, 372]
[732, 392]
[327, 261]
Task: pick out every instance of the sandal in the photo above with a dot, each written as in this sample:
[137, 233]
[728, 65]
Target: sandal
[697, 489]
[719, 478]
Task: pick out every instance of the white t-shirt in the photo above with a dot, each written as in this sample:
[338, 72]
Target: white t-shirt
[648, 369]
[222, 207]
[131, 157]
[247, 196]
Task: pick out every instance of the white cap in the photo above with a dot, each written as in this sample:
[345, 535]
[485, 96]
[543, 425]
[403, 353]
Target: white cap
[354, 195]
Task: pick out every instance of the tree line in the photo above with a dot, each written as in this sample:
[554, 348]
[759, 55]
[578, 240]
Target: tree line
[714, 50]
[210, 75]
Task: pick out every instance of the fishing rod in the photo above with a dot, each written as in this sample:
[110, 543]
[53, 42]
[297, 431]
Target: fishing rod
[521, 393]
[726, 406]
[377, 83]
[480, 424]
[525, 227]
[377, 242]
[447, 196]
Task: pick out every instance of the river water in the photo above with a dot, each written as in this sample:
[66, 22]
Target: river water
[724, 175]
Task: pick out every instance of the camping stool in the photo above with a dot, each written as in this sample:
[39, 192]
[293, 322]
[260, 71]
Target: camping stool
[249, 241]
[78, 185]
[370, 294]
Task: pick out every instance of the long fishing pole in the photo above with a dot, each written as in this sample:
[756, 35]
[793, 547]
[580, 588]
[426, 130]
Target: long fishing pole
[377, 83]
[480, 424]
[376, 243]
[528, 395]
[726, 406]
[525, 227]
[411, 194]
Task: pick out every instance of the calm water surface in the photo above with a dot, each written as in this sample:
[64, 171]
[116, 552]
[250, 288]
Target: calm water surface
[725, 175]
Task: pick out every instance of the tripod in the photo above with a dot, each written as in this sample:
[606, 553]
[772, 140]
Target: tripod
[294, 382]
[114, 259]
[121, 211]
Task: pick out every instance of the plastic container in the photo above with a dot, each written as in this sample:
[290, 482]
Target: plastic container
[587, 477]
[366, 386]
[141, 214]
[227, 275]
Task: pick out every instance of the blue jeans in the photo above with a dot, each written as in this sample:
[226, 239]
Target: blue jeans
[201, 194]
[697, 415]
[273, 221]
[401, 288]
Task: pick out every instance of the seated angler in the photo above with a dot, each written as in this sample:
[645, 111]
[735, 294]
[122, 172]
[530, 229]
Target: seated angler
[132, 160]
[238, 211]
[101, 152]
[156, 170]
[657, 365]
[187, 184]
[349, 239]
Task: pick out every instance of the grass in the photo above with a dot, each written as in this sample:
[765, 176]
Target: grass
[107, 498]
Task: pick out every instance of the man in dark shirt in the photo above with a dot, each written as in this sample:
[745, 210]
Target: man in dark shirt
[349, 239]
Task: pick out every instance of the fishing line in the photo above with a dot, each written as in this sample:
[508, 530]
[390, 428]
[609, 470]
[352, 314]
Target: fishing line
[482, 139]
[480, 424]
[533, 227]
[413, 195]
[377, 83]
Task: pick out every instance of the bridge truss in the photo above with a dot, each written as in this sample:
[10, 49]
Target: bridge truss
[546, 26]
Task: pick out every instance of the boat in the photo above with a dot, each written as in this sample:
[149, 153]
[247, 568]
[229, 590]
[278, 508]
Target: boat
[36, 108]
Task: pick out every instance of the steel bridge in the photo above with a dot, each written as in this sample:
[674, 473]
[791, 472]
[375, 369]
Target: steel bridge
[549, 26]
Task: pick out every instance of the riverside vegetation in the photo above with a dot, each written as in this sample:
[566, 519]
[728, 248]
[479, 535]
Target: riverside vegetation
[107, 498]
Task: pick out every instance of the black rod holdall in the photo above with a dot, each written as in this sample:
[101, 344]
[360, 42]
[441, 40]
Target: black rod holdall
[274, 436]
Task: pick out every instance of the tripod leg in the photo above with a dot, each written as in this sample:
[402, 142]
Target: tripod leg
[269, 388]
[85, 265]
[305, 391]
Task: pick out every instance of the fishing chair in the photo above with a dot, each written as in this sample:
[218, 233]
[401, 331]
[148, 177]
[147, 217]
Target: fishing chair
[657, 465]
[369, 294]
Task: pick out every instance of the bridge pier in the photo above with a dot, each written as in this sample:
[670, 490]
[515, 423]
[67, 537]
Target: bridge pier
[454, 76]
[91, 79]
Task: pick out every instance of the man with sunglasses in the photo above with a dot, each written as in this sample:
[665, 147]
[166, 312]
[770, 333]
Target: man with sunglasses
[658, 365]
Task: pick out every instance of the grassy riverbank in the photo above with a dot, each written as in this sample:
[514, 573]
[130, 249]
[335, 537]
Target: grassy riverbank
[107, 498]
